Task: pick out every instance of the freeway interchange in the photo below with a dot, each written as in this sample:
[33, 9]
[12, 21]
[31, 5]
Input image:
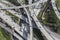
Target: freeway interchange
[25, 31]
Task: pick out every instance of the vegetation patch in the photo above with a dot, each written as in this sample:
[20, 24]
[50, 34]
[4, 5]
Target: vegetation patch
[58, 4]
[3, 35]
[38, 34]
